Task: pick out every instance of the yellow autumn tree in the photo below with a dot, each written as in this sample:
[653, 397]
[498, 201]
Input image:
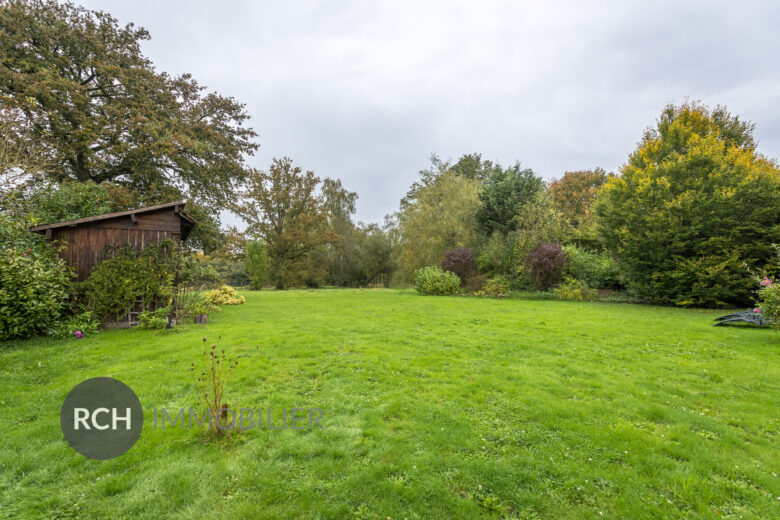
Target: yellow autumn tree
[695, 208]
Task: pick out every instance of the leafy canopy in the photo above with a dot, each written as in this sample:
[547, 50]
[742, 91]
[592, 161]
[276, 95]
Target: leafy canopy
[256, 261]
[692, 208]
[22, 158]
[340, 256]
[34, 281]
[469, 166]
[504, 193]
[281, 207]
[41, 202]
[538, 221]
[440, 217]
[102, 112]
[574, 195]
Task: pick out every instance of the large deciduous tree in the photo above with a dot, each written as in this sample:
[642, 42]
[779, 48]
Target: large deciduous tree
[375, 261]
[341, 256]
[281, 207]
[574, 195]
[504, 193]
[440, 216]
[22, 156]
[694, 207]
[105, 114]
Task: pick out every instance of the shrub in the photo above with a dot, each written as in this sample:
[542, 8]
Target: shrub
[768, 294]
[693, 205]
[496, 255]
[597, 269]
[110, 289]
[434, 280]
[461, 261]
[34, 284]
[575, 291]
[496, 287]
[86, 323]
[116, 283]
[197, 273]
[769, 302]
[546, 263]
[156, 319]
[538, 221]
[225, 295]
[202, 308]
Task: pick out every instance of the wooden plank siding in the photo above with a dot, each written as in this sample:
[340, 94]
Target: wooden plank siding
[85, 240]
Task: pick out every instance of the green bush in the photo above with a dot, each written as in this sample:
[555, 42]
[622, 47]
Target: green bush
[597, 269]
[110, 289]
[496, 287]
[86, 323]
[434, 280]
[34, 283]
[156, 319]
[196, 271]
[202, 307]
[503, 192]
[113, 287]
[575, 291]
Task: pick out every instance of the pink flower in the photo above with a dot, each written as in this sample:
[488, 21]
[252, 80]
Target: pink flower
[78, 334]
[766, 282]
[756, 310]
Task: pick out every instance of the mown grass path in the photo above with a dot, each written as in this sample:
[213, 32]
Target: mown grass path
[434, 407]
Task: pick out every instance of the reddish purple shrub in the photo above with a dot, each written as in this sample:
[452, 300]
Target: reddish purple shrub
[461, 261]
[546, 263]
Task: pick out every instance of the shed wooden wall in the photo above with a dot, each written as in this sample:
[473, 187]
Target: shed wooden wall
[86, 242]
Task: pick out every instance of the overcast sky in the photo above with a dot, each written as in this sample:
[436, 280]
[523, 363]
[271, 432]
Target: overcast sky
[366, 90]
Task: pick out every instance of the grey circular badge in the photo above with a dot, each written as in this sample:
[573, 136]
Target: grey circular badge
[101, 418]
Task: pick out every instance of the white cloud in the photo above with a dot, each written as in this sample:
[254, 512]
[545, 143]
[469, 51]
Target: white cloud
[365, 91]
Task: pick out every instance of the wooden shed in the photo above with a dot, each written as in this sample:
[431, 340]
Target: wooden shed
[86, 238]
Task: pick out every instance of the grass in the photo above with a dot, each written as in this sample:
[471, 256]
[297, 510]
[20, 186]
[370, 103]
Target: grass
[433, 407]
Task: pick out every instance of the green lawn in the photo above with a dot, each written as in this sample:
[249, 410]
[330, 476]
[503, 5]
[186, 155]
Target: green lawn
[434, 407]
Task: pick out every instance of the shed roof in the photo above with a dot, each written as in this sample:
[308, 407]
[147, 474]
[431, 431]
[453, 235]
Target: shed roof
[177, 205]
